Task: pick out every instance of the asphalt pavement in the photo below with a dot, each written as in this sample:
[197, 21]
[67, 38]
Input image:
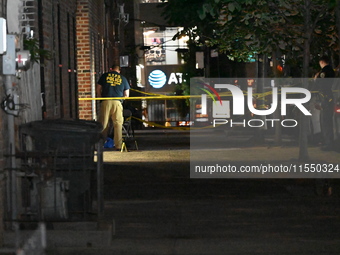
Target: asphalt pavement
[158, 209]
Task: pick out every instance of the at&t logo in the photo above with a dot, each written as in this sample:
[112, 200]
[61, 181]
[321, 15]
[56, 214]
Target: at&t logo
[158, 79]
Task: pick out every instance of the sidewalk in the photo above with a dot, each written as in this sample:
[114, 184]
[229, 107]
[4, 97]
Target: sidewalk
[238, 149]
[158, 209]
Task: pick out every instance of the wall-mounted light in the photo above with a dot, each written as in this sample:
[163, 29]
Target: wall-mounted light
[124, 17]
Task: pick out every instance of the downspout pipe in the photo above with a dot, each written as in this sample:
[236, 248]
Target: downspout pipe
[12, 175]
[9, 71]
[42, 59]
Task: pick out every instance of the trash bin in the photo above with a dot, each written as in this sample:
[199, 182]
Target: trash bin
[64, 149]
[64, 135]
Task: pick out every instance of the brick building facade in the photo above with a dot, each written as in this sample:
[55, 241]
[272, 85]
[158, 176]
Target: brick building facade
[82, 39]
[47, 90]
[98, 48]
[103, 35]
[91, 26]
[50, 90]
[57, 34]
[80, 35]
[79, 43]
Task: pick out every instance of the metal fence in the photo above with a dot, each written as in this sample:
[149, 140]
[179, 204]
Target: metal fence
[60, 176]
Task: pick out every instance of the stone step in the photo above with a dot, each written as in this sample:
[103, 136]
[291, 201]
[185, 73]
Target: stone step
[85, 225]
[66, 238]
[204, 247]
[7, 251]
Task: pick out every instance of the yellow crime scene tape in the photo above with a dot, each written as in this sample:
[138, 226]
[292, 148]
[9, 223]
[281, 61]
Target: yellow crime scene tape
[147, 93]
[153, 96]
[137, 98]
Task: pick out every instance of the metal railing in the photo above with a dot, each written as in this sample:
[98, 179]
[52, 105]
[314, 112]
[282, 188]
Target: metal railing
[60, 175]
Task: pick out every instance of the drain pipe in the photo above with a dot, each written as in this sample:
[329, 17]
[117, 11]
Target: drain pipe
[9, 70]
[12, 175]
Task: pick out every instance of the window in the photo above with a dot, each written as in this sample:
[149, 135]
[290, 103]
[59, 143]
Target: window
[162, 49]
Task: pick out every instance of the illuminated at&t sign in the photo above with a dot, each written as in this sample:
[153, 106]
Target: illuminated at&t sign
[158, 79]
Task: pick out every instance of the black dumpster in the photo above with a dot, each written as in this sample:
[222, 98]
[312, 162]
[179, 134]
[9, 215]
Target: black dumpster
[62, 154]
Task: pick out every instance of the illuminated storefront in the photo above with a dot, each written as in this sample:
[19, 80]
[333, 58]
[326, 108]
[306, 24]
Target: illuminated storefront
[161, 72]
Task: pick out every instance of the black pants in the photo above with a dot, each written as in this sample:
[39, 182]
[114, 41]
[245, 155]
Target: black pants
[327, 123]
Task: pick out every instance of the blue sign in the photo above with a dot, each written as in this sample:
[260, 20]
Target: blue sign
[157, 79]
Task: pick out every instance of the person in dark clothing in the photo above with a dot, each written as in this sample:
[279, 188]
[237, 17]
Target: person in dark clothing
[112, 84]
[325, 95]
[324, 87]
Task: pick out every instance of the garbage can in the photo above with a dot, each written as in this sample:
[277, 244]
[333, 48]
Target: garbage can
[64, 149]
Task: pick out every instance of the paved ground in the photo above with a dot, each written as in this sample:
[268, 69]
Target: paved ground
[158, 209]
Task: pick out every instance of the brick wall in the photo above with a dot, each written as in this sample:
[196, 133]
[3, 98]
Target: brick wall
[58, 36]
[83, 58]
[56, 33]
[79, 35]
[95, 47]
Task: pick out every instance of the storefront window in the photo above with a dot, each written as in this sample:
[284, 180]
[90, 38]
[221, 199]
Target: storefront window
[162, 48]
